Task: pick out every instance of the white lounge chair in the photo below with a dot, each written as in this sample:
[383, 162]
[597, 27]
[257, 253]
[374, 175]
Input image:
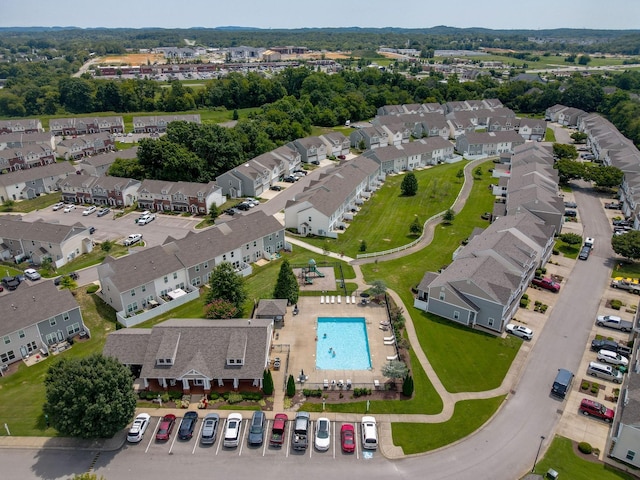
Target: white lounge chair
[333, 299]
[353, 299]
[325, 383]
[348, 384]
[339, 299]
[392, 357]
[376, 384]
[387, 339]
[389, 342]
[321, 299]
[347, 299]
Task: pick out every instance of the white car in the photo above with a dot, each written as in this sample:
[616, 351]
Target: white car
[32, 274]
[589, 242]
[58, 205]
[323, 434]
[89, 210]
[69, 208]
[146, 219]
[132, 239]
[138, 428]
[232, 430]
[607, 356]
[520, 331]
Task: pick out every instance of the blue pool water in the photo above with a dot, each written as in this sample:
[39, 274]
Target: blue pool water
[342, 344]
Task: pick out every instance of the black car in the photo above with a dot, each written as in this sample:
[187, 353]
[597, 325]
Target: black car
[73, 275]
[571, 204]
[584, 253]
[187, 425]
[570, 213]
[610, 345]
[276, 188]
[11, 283]
[290, 179]
[243, 206]
[256, 430]
[91, 230]
[230, 211]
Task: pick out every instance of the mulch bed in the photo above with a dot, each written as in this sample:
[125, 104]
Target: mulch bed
[589, 457]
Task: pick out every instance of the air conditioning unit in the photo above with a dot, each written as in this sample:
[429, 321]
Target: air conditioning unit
[172, 383]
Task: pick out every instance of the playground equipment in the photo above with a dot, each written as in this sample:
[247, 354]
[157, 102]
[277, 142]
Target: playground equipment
[312, 269]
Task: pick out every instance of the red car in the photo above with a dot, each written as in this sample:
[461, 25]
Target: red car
[546, 283]
[347, 438]
[166, 425]
[595, 409]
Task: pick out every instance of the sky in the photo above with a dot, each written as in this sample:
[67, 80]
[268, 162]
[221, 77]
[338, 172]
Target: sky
[494, 14]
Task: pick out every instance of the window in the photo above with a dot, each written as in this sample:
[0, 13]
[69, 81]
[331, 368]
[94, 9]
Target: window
[133, 293]
[441, 296]
[456, 315]
[7, 340]
[21, 333]
[630, 454]
[206, 265]
[31, 346]
[224, 257]
[197, 268]
[175, 275]
[233, 254]
[247, 246]
[166, 279]
[255, 243]
[490, 322]
[52, 322]
[73, 329]
[144, 288]
[5, 357]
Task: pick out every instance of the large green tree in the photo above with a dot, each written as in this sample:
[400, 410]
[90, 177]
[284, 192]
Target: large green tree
[627, 244]
[604, 175]
[287, 284]
[409, 185]
[226, 284]
[90, 397]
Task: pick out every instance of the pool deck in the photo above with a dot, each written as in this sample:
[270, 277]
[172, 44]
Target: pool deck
[299, 332]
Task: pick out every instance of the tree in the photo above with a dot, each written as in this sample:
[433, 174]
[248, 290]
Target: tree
[477, 172]
[416, 227]
[448, 217]
[214, 211]
[363, 246]
[604, 176]
[394, 369]
[291, 386]
[226, 284]
[571, 238]
[47, 264]
[627, 244]
[378, 288]
[90, 397]
[569, 170]
[563, 151]
[287, 284]
[219, 309]
[407, 386]
[460, 174]
[409, 185]
[67, 282]
[579, 137]
[267, 382]
[107, 245]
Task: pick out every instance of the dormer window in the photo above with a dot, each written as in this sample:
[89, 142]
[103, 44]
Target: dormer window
[164, 361]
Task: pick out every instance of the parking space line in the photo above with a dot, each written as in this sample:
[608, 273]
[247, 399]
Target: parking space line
[356, 441]
[240, 437]
[175, 436]
[155, 430]
[310, 437]
[268, 439]
[334, 440]
[221, 435]
[288, 439]
[197, 438]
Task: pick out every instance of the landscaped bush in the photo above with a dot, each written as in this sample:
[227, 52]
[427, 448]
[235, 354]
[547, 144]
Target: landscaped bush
[214, 396]
[92, 288]
[594, 389]
[307, 392]
[616, 304]
[234, 398]
[175, 395]
[252, 396]
[585, 448]
[584, 385]
[359, 392]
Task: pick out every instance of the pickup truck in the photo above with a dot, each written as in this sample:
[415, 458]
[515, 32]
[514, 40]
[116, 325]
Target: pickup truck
[615, 322]
[598, 344]
[613, 205]
[278, 430]
[546, 283]
[624, 284]
[300, 437]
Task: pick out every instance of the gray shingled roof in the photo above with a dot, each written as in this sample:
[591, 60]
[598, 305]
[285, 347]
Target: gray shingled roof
[272, 307]
[110, 157]
[30, 304]
[202, 345]
[39, 231]
[31, 174]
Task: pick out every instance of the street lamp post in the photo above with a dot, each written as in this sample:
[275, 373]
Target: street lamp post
[537, 453]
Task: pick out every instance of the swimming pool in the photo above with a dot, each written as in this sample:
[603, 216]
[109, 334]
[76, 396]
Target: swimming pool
[342, 344]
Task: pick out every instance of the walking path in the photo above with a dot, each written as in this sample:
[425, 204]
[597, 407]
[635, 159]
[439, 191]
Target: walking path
[386, 440]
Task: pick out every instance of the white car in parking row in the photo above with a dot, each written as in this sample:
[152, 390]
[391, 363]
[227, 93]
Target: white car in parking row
[89, 210]
[69, 208]
[520, 331]
[58, 206]
[138, 428]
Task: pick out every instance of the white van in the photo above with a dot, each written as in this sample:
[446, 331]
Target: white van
[606, 372]
[369, 433]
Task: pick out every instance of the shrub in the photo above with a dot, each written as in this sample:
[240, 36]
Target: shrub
[92, 288]
[616, 304]
[234, 398]
[584, 385]
[175, 395]
[252, 396]
[524, 303]
[585, 448]
[307, 392]
[214, 396]
[594, 389]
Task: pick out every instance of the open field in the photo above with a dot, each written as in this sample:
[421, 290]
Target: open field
[131, 59]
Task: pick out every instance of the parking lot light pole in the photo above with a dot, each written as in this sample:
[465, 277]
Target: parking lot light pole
[537, 453]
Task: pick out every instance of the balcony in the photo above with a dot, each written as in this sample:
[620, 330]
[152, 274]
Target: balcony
[158, 306]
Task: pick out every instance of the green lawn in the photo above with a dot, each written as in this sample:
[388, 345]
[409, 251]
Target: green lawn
[562, 459]
[626, 268]
[467, 417]
[384, 220]
[37, 203]
[550, 136]
[94, 257]
[22, 394]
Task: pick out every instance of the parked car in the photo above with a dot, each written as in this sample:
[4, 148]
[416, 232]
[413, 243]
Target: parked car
[32, 274]
[584, 253]
[520, 331]
[342, 157]
[89, 210]
[275, 188]
[187, 425]
[73, 275]
[209, 429]
[596, 409]
[604, 344]
[570, 213]
[347, 438]
[290, 179]
[546, 283]
[613, 205]
[58, 206]
[369, 433]
[165, 428]
[323, 434]
[606, 372]
[146, 219]
[256, 428]
[243, 206]
[613, 358]
[589, 242]
[103, 211]
[620, 222]
[132, 239]
[231, 211]
[92, 230]
[138, 428]
[11, 283]
[570, 204]
[232, 431]
[69, 208]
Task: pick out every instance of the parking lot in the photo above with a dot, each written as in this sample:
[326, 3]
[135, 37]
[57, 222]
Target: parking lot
[175, 446]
